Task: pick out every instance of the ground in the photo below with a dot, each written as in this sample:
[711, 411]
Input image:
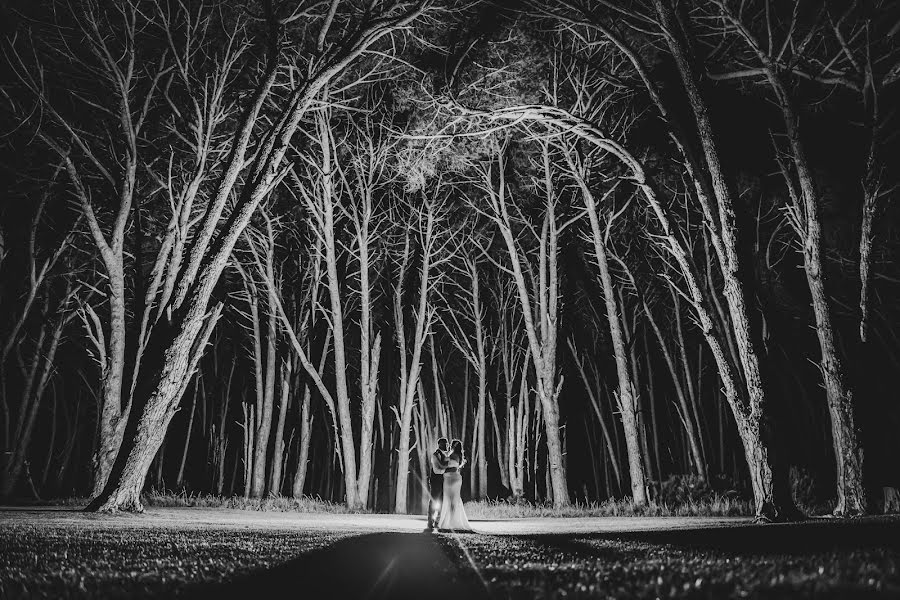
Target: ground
[220, 553]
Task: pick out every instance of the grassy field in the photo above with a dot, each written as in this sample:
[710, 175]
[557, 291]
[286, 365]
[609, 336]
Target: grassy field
[221, 553]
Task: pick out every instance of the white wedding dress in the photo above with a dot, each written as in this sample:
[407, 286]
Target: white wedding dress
[453, 514]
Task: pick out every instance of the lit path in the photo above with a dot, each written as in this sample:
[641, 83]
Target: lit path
[225, 518]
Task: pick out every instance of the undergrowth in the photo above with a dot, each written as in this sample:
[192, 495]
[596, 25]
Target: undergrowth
[711, 506]
[306, 504]
[717, 506]
[707, 504]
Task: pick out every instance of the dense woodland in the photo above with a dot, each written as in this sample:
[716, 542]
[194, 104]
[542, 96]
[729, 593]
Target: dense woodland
[280, 247]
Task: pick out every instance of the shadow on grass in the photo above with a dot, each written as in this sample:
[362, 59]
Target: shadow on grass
[809, 537]
[372, 566]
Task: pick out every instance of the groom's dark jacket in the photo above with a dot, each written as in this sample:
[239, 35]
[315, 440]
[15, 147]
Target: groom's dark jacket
[439, 462]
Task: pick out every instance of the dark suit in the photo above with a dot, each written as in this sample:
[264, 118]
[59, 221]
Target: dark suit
[436, 485]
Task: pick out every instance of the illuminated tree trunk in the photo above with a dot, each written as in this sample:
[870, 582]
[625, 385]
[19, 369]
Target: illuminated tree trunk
[627, 400]
[851, 493]
[192, 321]
[411, 365]
[470, 341]
[540, 320]
[770, 503]
[179, 479]
[306, 421]
[283, 404]
[265, 400]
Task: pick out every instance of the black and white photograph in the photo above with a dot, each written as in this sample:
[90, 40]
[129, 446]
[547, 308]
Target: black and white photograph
[449, 299]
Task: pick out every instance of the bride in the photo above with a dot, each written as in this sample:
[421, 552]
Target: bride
[453, 515]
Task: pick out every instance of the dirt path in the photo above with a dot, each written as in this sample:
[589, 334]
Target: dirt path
[191, 518]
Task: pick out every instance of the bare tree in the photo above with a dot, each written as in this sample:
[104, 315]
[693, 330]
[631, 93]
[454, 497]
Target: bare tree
[110, 38]
[40, 267]
[340, 40]
[263, 325]
[514, 361]
[593, 387]
[424, 224]
[759, 56]
[37, 372]
[346, 193]
[465, 323]
[539, 302]
[627, 396]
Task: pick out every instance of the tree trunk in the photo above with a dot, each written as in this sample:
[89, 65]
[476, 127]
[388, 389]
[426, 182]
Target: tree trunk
[266, 403]
[179, 480]
[306, 420]
[594, 397]
[146, 431]
[480, 492]
[112, 416]
[249, 431]
[278, 456]
[851, 493]
[31, 402]
[628, 408]
[725, 236]
[410, 370]
[403, 457]
[541, 329]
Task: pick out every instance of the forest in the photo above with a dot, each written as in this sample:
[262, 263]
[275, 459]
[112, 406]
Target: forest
[280, 247]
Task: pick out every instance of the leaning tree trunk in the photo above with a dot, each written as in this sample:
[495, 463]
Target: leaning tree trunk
[627, 400]
[181, 347]
[724, 234]
[847, 449]
[112, 417]
[851, 493]
[771, 502]
[146, 432]
[725, 240]
[848, 452]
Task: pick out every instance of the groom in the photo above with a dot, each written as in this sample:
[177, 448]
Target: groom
[439, 463]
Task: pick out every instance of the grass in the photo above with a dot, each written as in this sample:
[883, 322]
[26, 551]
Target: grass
[305, 504]
[715, 506]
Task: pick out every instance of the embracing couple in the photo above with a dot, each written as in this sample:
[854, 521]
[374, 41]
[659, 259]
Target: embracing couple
[445, 511]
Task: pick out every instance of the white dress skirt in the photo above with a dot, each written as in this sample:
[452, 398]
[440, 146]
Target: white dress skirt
[453, 515]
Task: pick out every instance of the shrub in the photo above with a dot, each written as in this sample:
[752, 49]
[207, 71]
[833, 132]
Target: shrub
[679, 490]
[808, 493]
